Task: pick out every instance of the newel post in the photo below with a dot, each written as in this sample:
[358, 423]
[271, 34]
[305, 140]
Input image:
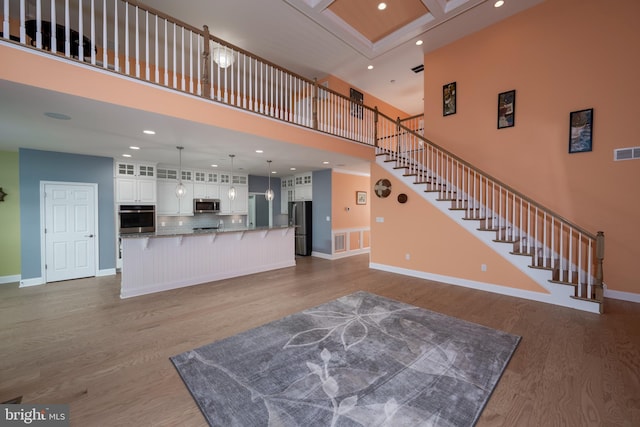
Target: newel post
[314, 106]
[375, 125]
[600, 258]
[206, 65]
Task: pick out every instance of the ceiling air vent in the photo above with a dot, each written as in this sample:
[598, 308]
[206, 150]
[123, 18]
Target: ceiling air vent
[418, 68]
[626, 153]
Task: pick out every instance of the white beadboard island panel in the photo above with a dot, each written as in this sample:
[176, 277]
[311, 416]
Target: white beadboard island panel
[155, 263]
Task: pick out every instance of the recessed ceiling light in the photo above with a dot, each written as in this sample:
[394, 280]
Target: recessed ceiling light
[274, 171]
[325, 163]
[58, 116]
[133, 147]
[292, 169]
[214, 166]
[419, 43]
[498, 3]
[149, 132]
[126, 155]
[370, 67]
[382, 6]
[259, 151]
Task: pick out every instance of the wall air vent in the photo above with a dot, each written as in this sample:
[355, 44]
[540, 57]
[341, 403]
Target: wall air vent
[626, 153]
[418, 68]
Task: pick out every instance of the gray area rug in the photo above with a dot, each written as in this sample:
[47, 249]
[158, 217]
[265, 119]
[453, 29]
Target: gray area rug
[360, 360]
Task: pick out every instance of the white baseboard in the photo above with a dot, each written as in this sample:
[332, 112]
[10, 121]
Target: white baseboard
[621, 295]
[9, 279]
[106, 272]
[340, 254]
[489, 287]
[32, 282]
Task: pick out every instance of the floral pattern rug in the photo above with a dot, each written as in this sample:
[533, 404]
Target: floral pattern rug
[360, 360]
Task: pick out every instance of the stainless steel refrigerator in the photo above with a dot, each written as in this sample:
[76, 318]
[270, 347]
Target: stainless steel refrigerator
[300, 217]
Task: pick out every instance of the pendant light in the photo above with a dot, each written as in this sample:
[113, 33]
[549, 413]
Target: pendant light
[232, 189]
[181, 190]
[269, 193]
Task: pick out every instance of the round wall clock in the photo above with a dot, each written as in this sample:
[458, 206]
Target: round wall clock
[382, 188]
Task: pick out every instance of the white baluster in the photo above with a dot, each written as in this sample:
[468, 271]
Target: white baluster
[127, 65]
[67, 30]
[93, 34]
[190, 61]
[80, 32]
[105, 58]
[137, 40]
[54, 29]
[147, 70]
[38, 24]
[183, 82]
[5, 21]
[116, 57]
[175, 57]
[589, 275]
[157, 52]
[23, 32]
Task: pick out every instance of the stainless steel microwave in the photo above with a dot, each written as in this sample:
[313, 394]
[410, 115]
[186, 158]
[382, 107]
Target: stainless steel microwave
[206, 205]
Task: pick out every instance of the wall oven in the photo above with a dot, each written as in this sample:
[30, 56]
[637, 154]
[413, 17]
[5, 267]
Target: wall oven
[137, 218]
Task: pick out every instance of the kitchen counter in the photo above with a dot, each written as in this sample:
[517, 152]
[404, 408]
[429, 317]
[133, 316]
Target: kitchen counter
[160, 261]
[174, 233]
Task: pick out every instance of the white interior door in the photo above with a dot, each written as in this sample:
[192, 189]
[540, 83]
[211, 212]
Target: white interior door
[70, 231]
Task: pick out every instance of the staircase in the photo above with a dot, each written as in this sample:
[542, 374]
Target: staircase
[558, 255]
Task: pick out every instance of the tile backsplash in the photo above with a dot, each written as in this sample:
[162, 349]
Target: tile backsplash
[187, 223]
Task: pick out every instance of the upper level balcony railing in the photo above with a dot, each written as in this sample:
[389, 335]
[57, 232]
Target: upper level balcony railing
[130, 38]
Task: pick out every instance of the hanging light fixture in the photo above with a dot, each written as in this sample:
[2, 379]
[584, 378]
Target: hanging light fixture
[181, 190]
[223, 56]
[232, 189]
[269, 193]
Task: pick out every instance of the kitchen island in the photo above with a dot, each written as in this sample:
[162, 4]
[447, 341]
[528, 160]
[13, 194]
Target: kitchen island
[154, 262]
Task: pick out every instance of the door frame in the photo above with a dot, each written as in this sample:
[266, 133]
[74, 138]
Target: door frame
[43, 249]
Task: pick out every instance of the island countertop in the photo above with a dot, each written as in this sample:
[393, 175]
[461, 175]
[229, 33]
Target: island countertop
[175, 233]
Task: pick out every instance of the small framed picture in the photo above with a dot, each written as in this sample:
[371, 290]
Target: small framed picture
[581, 131]
[449, 99]
[361, 197]
[506, 109]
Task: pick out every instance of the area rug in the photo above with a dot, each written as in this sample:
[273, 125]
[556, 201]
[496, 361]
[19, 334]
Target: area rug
[360, 360]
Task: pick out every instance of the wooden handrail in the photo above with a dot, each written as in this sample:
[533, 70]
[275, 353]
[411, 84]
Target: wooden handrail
[490, 177]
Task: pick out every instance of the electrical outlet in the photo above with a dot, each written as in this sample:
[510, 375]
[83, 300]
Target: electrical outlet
[179, 222]
[379, 219]
[483, 267]
[407, 256]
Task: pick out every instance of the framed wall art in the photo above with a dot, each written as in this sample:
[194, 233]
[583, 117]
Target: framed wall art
[506, 109]
[357, 98]
[581, 131]
[449, 99]
[361, 197]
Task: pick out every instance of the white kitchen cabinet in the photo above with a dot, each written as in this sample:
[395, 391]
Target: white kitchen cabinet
[239, 205]
[135, 182]
[303, 188]
[205, 185]
[168, 203]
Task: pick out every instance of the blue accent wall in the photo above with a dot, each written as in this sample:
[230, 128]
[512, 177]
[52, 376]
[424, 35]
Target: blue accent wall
[36, 166]
[259, 184]
[321, 209]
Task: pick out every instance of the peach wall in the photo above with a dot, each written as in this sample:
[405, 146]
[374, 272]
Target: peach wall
[434, 242]
[560, 56]
[341, 87]
[343, 195]
[63, 76]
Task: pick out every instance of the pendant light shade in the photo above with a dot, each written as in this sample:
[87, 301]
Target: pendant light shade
[232, 189]
[181, 190]
[269, 193]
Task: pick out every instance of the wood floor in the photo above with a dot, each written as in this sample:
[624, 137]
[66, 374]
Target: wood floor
[77, 342]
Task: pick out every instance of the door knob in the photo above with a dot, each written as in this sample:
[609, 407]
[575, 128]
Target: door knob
[90, 235]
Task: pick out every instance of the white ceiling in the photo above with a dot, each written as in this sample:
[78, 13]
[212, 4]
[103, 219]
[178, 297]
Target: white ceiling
[299, 35]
